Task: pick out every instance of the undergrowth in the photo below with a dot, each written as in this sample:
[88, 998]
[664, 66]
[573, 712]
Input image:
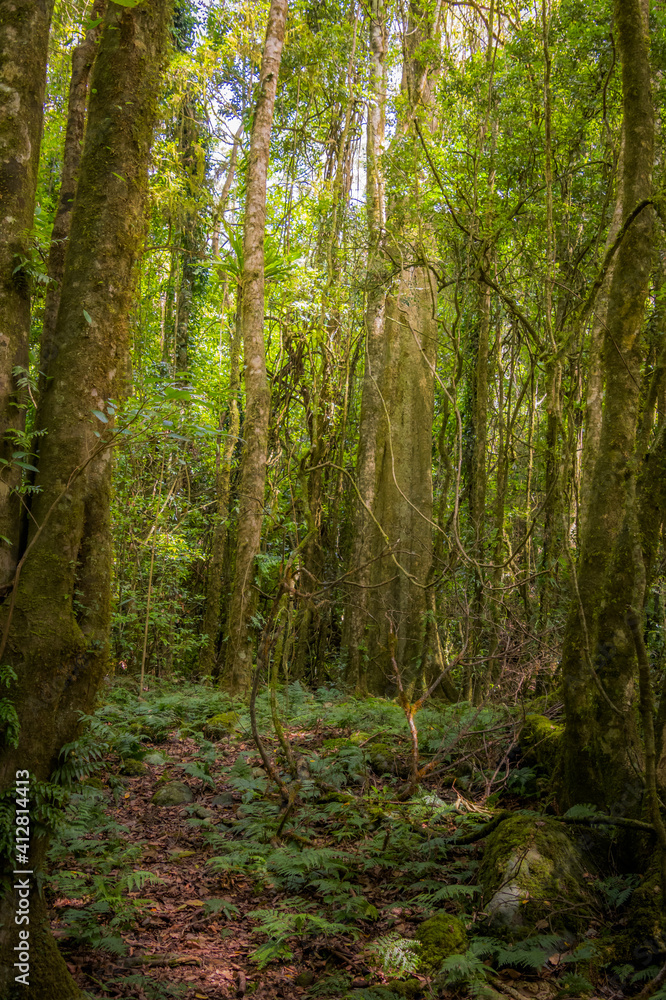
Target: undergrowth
[345, 868]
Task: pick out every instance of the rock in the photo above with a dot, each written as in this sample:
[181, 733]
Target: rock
[200, 812]
[95, 783]
[218, 726]
[440, 936]
[304, 978]
[175, 793]
[539, 742]
[529, 865]
[408, 988]
[223, 799]
[133, 768]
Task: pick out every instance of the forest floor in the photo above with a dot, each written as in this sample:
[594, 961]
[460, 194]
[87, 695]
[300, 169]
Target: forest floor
[222, 896]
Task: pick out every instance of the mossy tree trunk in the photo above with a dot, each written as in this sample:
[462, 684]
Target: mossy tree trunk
[400, 394]
[598, 660]
[82, 59]
[24, 38]
[55, 624]
[365, 536]
[212, 612]
[252, 485]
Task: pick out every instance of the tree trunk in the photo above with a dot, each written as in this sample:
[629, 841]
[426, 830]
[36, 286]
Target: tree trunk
[24, 38]
[394, 471]
[82, 60]
[55, 627]
[365, 538]
[211, 623]
[598, 661]
[257, 390]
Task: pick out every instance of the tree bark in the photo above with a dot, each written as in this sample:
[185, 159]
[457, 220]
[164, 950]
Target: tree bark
[402, 414]
[365, 537]
[24, 38]
[55, 626]
[82, 60]
[257, 391]
[211, 623]
[598, 660]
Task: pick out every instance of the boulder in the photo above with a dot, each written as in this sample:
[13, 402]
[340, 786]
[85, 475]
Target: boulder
[223, 799]
[440, 936]
[174, 793]
[529, 868]
[221, 725]
[132, 768]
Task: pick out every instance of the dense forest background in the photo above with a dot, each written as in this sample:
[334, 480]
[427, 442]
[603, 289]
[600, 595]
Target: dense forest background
[333, 360]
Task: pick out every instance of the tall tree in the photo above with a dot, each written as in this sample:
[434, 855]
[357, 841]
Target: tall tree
[55, 624]
[24, 38]
[598, 660]
[257, 390]
[395, 450]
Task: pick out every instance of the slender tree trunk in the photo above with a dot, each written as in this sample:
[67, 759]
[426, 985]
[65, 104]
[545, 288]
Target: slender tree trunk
[55, 626]
[24, 38]
[365, 534]
[82, 60]
[257, 390]
[595, 368]
[598, 660]
[211, 623]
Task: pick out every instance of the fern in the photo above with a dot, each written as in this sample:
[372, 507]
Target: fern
[397, 955]
[9, 721]
[583, 811]
[617, 889]
[281, 925]
[575, 985]
[137, 879]
[296, 869]
[531, 952]
[446, 892]
[202, 773]
[230, 910]
[331, 986]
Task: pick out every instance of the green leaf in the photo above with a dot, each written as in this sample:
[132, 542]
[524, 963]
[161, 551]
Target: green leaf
[87, 317]
[101, 416]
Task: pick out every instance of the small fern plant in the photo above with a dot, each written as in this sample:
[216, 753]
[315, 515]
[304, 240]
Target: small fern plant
[9, 723]
[397, 956]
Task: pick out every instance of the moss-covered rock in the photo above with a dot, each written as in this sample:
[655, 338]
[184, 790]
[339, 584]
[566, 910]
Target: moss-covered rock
[409, 988]
[221, 725]
[132, 767]
[540, 741]
[175, 793]
[95, 783]
[440, 936]
[529, 867]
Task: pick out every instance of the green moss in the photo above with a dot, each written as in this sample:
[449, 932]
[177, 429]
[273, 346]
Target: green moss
[133, 768]
[220, 725]
[440, 936]
[95, 783]
[540, 742]
[529, 867]
[409, 988]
